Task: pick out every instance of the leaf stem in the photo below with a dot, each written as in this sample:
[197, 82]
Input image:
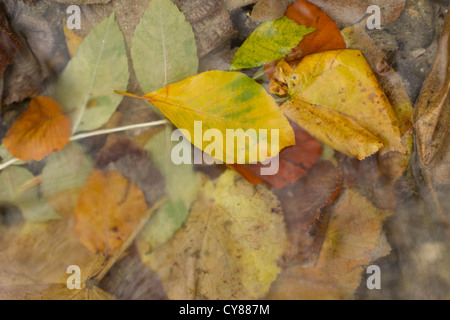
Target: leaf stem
[119, 129]
[8, 163]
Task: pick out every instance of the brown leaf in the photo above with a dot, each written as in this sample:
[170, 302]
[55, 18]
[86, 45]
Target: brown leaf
[326, 37]
[353, 239]
[110, 209]
[41, 130]
[348, 12]
[269, 10]
[8, 42]
[302, 204]
[294, 162]
[432, 115]
[122, 155]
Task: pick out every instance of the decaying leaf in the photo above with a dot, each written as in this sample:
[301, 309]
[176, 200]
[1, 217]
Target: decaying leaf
[271, 41]
[294, 162]
[34, 265]
[85, 88]
[227, 101]
[353, 239]
[228, 247]
[164, 49]
[109, 210]
[354, 104]
[41, 130]
[326, 37]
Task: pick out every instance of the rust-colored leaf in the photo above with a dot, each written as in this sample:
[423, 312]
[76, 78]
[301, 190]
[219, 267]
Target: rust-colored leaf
[41, 130]
[109, 211]
[326, 37]
[294, 162]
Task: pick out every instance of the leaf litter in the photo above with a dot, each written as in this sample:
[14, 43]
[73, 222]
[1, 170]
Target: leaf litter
[308, 232]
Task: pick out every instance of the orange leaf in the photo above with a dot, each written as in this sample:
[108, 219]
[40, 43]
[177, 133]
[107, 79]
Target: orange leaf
[326, 37]
[295, 161]
[41, 130]
[109, 210]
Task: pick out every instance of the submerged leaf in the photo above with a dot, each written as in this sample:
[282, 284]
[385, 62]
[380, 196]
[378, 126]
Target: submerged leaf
[164, 49]
[85, 88]
[66, 170]
[181, 186]
[109, 210]
[271, 41]
[353, 238]
[14, 191]
[41, 130]
[228, 247]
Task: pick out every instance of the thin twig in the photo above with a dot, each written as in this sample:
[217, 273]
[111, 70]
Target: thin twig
[8, 163]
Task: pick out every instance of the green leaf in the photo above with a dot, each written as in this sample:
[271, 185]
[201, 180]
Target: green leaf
[271, 41]
[181, 187]
[85, 89]
[164, 49]
[65, 170]
[6, 156]
[14, 192]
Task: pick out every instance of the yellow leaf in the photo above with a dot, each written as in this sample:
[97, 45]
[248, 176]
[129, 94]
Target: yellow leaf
[341, 80]
[225, 101]
[229, 246]
[110, 208]
[73, 41]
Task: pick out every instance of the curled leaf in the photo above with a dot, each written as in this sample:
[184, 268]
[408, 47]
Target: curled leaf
[41, 130]
[339, 90]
